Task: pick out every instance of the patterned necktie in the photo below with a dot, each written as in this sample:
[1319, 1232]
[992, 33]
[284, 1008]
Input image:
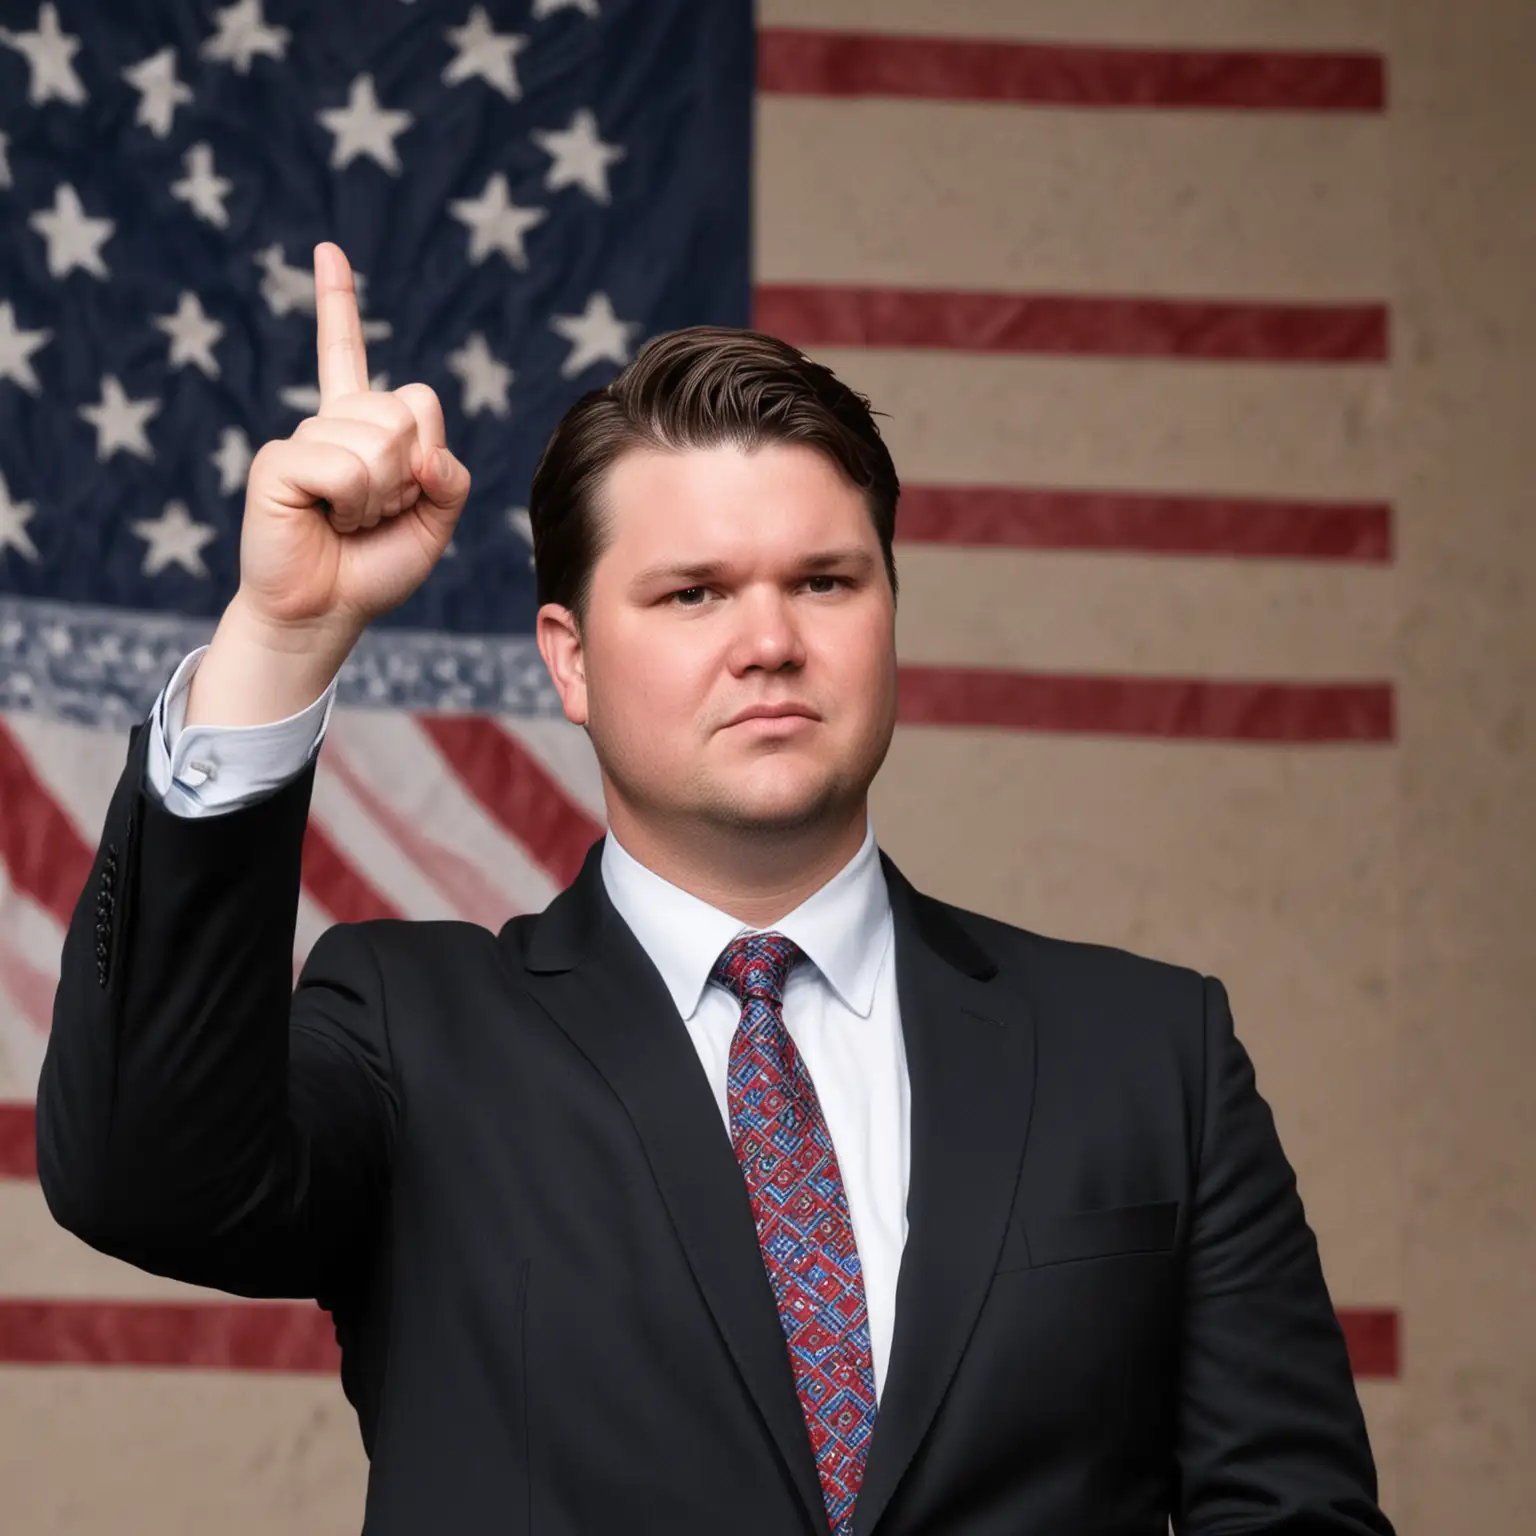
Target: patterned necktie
[803, 1226]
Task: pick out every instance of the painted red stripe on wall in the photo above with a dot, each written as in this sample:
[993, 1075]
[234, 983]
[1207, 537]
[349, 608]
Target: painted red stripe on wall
[297, 1338]
[1018, 517]
[1163, 707]
[1072, 325]
[803, 62]
[18, 1141]
[215, 1336]
[1372, 1336]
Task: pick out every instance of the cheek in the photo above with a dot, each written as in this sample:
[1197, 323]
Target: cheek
[657, 678]
[859, 657]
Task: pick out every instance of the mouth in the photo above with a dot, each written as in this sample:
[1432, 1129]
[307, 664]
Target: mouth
[773, 725]
[767, 714]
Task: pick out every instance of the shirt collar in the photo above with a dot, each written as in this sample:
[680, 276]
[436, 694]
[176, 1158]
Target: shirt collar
[843, 927]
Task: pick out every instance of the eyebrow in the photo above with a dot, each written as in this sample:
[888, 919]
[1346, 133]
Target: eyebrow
[854, 556]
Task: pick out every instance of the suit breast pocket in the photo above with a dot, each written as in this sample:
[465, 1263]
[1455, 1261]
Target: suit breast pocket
[1060, 1237]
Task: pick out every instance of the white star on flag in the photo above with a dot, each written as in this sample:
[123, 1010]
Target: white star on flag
[543, 8]
[485, 379]
[580, 157]
[305, 398]
[174, 539]
[48, 52]
[288, 289]
[74, 239]
[16, 349]
[485, 54]
[120, 422]
[363, 127]
[285, 288]
[496, 223]
[13, 523]
[232, 460]
[193, 335]
[201, 190]
[596, 334]
[243, 33]
[160, 92]
[521, 524]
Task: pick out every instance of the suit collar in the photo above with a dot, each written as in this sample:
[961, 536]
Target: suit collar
[969, 1036]
[572, 926]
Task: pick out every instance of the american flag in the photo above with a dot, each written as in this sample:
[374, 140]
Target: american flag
[526, 195]
[1117, 291]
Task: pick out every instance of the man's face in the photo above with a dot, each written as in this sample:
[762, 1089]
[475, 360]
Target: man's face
[734, 580]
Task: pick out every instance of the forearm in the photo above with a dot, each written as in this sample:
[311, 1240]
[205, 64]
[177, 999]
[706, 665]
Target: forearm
[254, 672]
[162, 1100]
[1272, 1439]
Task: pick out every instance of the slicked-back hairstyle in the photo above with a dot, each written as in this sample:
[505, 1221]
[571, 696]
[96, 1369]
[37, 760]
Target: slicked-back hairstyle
[702, 387]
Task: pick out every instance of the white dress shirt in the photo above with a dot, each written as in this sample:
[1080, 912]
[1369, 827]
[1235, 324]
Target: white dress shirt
[840, 1005]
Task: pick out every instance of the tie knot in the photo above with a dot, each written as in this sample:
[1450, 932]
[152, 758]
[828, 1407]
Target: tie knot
[755, 965]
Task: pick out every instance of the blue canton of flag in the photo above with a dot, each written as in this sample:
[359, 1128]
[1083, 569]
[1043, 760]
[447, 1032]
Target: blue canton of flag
[527, 191]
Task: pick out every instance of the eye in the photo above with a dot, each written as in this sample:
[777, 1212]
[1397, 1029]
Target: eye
[839, 580]
[683, 592]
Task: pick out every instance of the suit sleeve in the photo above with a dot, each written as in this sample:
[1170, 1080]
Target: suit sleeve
[197, 1115]
[1271, 1439]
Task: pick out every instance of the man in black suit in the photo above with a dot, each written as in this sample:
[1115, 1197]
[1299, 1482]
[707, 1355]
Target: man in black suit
[745, 1189]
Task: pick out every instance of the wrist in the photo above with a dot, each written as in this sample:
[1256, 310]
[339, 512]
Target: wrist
[257, 671]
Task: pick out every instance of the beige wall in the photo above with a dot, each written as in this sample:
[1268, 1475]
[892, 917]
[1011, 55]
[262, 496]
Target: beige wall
[1464, 222]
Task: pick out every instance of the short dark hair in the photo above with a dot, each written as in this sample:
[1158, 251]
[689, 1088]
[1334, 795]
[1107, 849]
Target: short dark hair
[700, 387]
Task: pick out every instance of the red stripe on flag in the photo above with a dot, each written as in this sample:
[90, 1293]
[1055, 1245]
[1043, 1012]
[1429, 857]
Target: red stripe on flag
[526, 799]
[45, 858]
[30, 988]
[1072, 325]
[1372, 1334]
[1020, 518]
[336, 884]
[473, 895]
[18, 1141]
[800, 62]
[216, 1336]
[1166, 707]
[298, 1338]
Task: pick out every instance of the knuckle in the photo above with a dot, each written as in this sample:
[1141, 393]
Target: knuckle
[360, 470]
[418, 395]
[354, 479]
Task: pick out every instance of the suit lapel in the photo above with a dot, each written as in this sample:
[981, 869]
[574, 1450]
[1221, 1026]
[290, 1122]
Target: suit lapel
[592, 975]
[970, 1060]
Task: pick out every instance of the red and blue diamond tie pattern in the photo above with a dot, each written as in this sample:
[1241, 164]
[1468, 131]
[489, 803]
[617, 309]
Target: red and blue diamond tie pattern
[803, 1226]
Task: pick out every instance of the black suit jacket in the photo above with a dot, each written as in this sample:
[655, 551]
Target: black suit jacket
[496, 1160]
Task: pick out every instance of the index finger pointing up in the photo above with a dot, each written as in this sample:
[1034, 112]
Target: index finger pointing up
[339, 347]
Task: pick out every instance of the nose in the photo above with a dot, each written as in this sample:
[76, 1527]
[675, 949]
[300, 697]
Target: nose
[768, 635]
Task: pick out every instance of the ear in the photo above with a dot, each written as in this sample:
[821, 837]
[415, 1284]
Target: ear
[560, 646]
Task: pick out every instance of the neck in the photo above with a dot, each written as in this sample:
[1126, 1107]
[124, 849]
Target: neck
[757, 876]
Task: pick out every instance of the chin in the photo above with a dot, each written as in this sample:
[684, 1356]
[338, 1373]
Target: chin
[791, 801]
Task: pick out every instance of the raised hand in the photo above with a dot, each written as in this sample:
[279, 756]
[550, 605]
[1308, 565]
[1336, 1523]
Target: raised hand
[346, 518]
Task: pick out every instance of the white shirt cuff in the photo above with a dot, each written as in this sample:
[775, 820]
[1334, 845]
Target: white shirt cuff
[201, 770]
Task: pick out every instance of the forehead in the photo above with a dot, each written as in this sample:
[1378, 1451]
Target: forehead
[726, 495]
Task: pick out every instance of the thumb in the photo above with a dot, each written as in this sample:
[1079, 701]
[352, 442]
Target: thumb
[445, 483]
